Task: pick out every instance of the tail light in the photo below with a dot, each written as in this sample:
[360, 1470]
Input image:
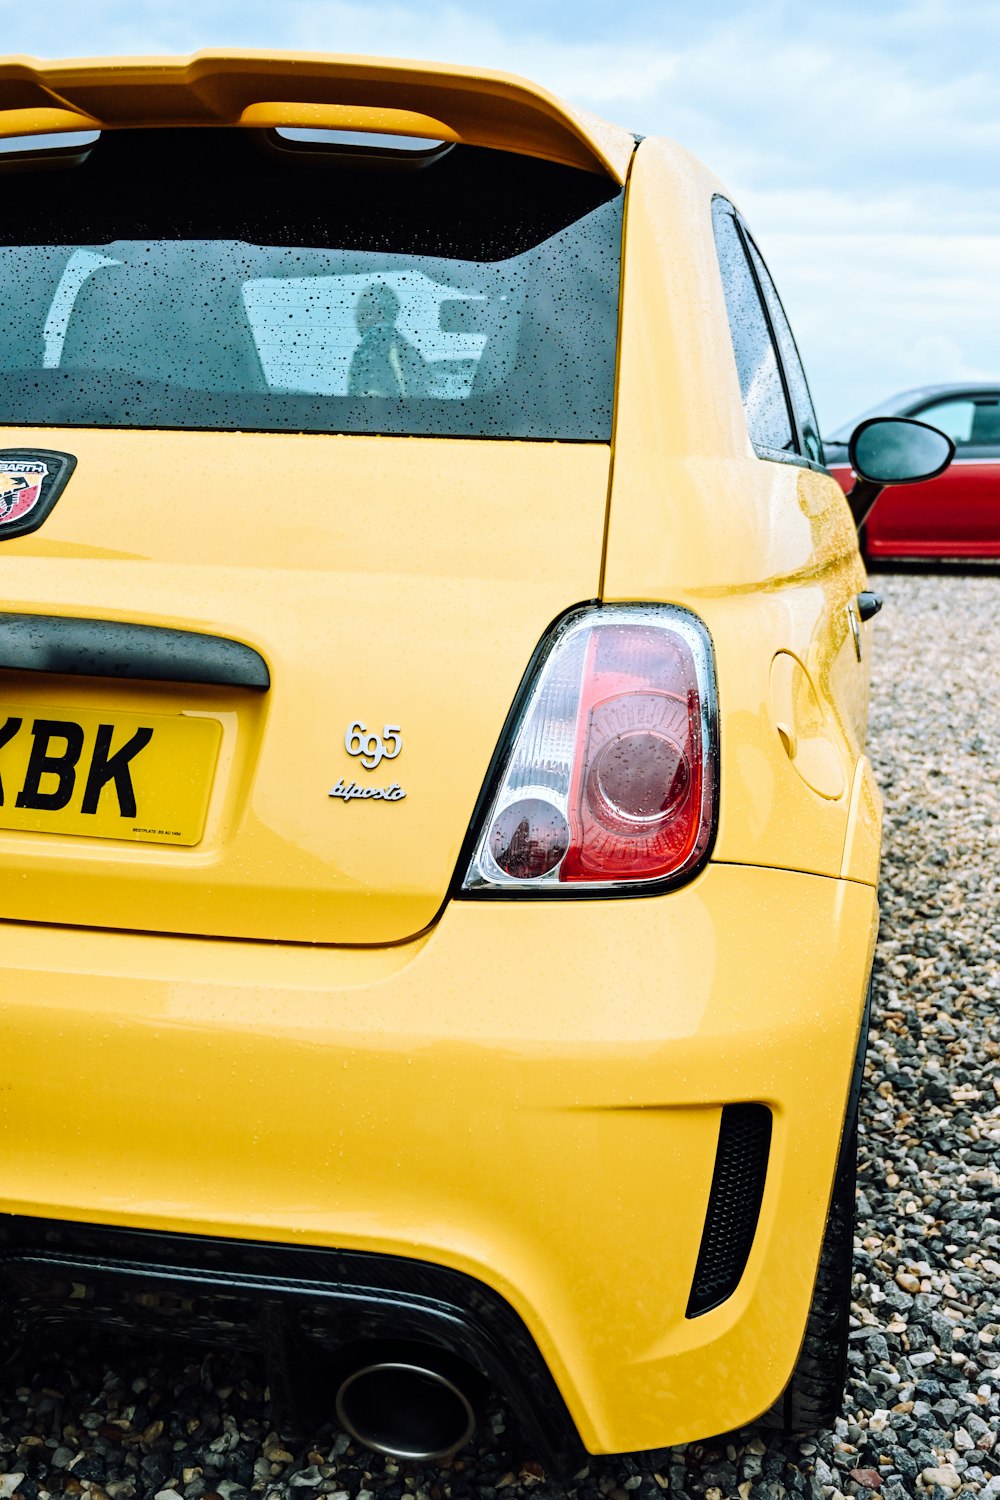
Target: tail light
[610, 772]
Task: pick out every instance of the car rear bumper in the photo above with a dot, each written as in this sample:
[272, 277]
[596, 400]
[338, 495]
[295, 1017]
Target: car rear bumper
[529, 1095]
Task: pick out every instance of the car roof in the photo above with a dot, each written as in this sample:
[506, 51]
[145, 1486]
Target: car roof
[272, 89]
[917, 396]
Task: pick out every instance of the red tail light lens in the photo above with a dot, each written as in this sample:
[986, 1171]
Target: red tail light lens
[611, 776]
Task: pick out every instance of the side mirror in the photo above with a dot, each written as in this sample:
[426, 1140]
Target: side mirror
[893, 450]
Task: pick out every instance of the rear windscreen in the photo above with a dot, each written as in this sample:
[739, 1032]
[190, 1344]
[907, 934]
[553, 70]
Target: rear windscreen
[216, 279]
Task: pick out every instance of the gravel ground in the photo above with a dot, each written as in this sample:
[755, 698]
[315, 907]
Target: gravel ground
[921, 1417]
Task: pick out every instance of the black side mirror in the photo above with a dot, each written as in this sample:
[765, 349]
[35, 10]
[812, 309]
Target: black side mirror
[893, 450]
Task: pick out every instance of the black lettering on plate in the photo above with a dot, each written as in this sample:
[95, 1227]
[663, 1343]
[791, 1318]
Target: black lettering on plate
[106, 767]
[7, 733]
[42, 763]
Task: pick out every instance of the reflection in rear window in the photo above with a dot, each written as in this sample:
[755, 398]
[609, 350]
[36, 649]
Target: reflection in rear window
[203, 279]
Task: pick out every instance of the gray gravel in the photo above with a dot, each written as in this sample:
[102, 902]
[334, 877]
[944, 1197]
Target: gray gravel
[921, 1417]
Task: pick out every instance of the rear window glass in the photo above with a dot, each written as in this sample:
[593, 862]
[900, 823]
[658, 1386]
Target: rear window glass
[212, 279]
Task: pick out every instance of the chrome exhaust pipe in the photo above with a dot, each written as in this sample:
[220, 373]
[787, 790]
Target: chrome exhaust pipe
[415, 1406]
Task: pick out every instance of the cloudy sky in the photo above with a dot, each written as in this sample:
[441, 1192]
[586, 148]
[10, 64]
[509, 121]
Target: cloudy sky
[861, 138]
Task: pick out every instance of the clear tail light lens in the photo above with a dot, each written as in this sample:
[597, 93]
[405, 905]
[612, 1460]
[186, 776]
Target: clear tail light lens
[609, 776]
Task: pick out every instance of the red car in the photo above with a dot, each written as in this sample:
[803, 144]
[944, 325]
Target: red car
[957, 515]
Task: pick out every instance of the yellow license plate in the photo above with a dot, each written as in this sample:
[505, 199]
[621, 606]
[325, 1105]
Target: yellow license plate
[113, 775]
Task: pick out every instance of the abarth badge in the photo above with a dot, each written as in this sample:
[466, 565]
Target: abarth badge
[31, 480]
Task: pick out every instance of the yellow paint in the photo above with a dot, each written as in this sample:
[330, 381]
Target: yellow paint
[863, 844]
[357, 117]
[529, 1092]
[389, 580]
[479, 106]
[161, 769]
[764, 552]
[803, 728]
[43, 121]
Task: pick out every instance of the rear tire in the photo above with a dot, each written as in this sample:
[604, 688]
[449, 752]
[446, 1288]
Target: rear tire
[812, 1398]
[814, 1395]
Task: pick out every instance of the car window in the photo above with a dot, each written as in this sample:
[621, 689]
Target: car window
[798, 387]
[307, 334]
[970, 421]
[187, 278]
[761, 385]
[986, 423]
[951, 417]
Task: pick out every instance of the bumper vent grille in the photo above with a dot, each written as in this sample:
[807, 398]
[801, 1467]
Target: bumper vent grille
[733, 1205]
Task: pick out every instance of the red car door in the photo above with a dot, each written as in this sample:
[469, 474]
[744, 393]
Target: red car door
[957, 515]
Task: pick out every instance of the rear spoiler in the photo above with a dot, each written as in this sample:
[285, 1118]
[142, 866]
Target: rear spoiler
[264, 89]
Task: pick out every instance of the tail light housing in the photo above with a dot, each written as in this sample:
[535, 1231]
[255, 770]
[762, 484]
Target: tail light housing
[606, 780]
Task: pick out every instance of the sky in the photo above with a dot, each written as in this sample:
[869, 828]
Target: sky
[861, 140]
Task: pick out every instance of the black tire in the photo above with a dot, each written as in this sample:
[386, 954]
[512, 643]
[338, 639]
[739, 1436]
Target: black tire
[813, 1396]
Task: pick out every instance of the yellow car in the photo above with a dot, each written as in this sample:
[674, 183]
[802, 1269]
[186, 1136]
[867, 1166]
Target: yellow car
[438, 852]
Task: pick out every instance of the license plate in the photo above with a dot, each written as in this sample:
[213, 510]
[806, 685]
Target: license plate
[144, 777]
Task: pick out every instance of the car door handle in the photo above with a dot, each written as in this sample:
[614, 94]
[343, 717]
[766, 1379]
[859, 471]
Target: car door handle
[869, 604]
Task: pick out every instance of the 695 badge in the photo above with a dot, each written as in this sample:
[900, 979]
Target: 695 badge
[371, 748]
[31, 481]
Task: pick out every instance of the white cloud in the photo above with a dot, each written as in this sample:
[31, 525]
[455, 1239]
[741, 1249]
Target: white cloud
[833, 111]
[877, 313]
[837, 94]
[588, 72]
[580, 69]
[945, 210]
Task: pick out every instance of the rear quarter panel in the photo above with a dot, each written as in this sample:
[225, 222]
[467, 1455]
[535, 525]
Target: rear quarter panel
[765, 552]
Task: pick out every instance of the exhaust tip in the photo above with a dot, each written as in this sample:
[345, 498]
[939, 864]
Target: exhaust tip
[405, 1410]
